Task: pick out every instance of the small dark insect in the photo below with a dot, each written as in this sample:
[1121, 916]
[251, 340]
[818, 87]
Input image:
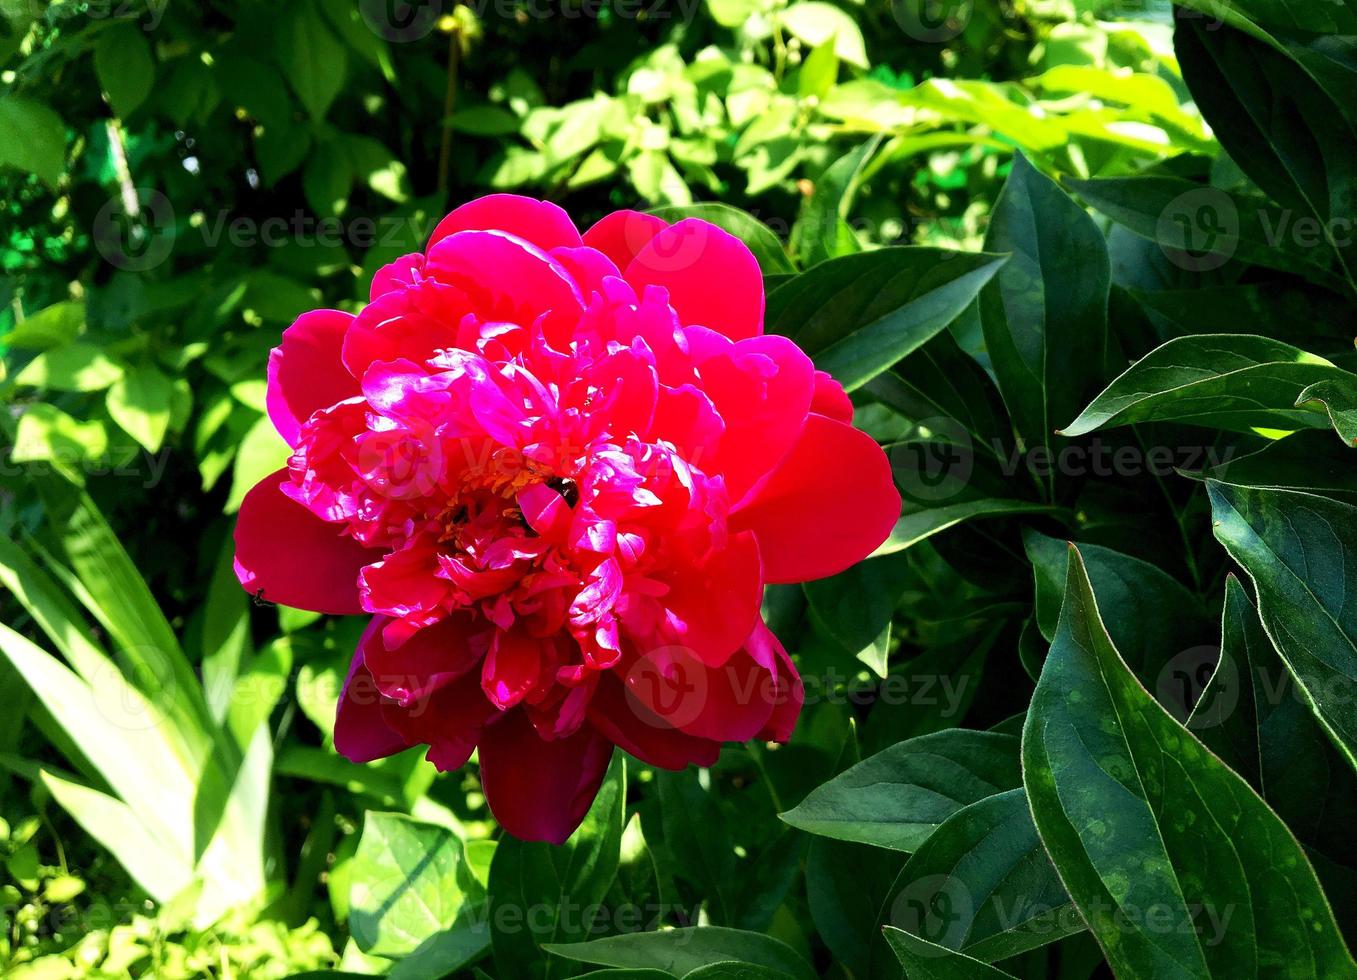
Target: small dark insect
[566, 488]
[259, 599]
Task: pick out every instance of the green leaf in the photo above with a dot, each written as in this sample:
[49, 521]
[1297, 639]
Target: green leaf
[921, 524]
[822, 230]
[898, 797]
[761, 239]
[855, 607]
[1044, 314]
[1134, 593]
[1238, 382]
[36, 140]
[695, 833]
[1252, 717]
[1338, 397]
[846, 887]
[46, 433]
[409, 881]
[123, 65]
[815, 23]
[570, 882]
[1300, 550]
[1155, 839]
[311, 58]
[1201, 228]
[52, 326]
[139, 401]
[1310, 460]
[680, 951]
[74, 367]
[923, 960]
[819, 72]
[857, 315]
[982, 884]
[1275, 120]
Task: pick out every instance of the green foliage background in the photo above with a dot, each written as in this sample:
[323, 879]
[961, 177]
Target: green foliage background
[1087, 270]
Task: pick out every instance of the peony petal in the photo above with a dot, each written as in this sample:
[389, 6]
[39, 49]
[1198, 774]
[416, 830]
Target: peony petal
[713, 607]
[512, 667]
[285, 554]
[790, 692]
[830, 399]
[729, 703]
[404, 271]
[409, 668]
[828, 505]
[361, 734]
[543, 224]
[712, 278]
[638, 731]
[449, 721]
[305, 371]
[539, 790]
[762, 387]
[622, 234]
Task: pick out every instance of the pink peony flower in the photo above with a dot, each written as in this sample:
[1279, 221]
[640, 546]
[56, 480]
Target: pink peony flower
[557, 471]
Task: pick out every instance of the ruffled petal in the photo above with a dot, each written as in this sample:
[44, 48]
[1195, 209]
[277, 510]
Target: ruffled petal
[449, 721]
[729, 703]
[622, 234]
[712, 278]
[789, 692]
[286, 554]
[361, 734]
[540, 790]
[539, 222]
[305, 372]
[410, 668]
[828, 505]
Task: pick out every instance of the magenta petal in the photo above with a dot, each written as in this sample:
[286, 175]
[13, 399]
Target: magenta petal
[360, 733]
[712, 278]
[450, 721]
[543, 224]
[729, 703]
[622, 234]
[305, 371]
[286, 554]
[828, 505]
[540, 790]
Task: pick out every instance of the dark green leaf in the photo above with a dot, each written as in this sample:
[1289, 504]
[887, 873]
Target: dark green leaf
[898, 797]
[857, 315]
[923, 960]
[1155, 839]
[680, 951]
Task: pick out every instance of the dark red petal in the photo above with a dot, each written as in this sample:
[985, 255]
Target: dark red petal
[544, 225]
[713, 607]
[305, 371]
[622, 234]
[449, 721]
[828, 505]
[830, 399]
[422, 663]
[539, 790]
[361, 735]
[286, 554]
[638, 731]
[712, 278]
